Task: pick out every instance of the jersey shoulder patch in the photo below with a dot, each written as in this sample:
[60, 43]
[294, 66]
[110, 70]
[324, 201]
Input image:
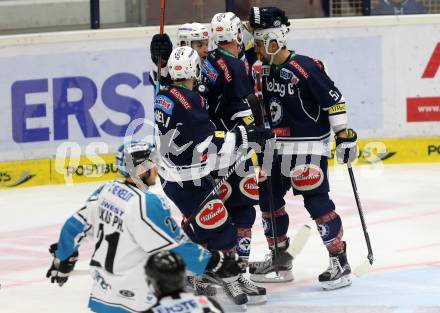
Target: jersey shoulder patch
[300, 68]
[176, 93]
[209, 71]
[225, 69]
[164, 103]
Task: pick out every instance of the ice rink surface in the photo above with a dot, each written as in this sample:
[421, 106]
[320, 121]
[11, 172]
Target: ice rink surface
[401, 205]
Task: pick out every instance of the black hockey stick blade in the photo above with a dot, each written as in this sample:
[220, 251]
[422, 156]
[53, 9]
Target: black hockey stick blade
[257, 110]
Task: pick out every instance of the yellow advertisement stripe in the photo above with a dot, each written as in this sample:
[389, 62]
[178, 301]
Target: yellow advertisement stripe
[24, 173]
[79, 170]
[398, 151]
[27, 173]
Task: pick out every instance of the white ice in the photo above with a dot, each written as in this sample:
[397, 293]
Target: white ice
[402, 209]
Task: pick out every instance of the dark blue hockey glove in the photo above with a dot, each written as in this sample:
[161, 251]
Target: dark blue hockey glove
[252, 133]
[60, 270]
[267, 17]
[162, 46]
[346, 148]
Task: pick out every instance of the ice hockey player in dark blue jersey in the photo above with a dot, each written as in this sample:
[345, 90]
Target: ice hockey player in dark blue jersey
[304, 106]
[194, 35]
[228, 81]
[190, 146]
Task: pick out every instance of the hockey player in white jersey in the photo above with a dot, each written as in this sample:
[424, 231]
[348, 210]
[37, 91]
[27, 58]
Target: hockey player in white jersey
[165, 272]
[128, 223]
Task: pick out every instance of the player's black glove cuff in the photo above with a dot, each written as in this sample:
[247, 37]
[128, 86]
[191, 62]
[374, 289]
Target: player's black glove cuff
[267, 17]
[162, 46]
[59, 270]
[225, 264]
[346, 148]
[259, 135]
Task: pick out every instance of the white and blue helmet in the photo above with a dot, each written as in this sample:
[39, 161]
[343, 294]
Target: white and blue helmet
[132, 154]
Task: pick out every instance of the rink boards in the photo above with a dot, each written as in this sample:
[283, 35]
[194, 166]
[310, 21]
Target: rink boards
[96, 168]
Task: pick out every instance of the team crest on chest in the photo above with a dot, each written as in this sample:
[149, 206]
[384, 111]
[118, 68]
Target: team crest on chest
[276, 111]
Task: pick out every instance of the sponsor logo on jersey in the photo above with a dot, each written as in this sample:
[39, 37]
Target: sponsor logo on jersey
[225, 69]
[280, 88]
[182, 99]
[276, 111]
[265, 70]
[300, 69]
[126, 293]
[209, 71]
[111, 207]
[219, 134]
[213, 215]
[119, 191]
[282, 131]
[286, 74]
[306, 177]
[164, 103]
[249, 187]
[225, 191]
[178, 306]
[6, 179]
[337, 109]
[294, 80]
[248, 119]
[101, 281]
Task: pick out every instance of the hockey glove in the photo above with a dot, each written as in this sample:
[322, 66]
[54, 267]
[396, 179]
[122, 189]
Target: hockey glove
[59, 271]
[225, 264]
[346, 148]
[267, 17]
[252, 133]
[162, 46]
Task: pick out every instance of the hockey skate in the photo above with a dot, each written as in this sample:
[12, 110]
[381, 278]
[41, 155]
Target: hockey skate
[199, 286]
[234, 291]
[268, 272]
[338, 274]
[256, 294]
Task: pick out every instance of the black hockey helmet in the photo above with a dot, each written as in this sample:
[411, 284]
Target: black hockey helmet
[165, 271]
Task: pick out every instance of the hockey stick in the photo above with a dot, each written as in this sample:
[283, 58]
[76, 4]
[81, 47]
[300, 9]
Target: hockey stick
[243, 157]
[367, 264]
[299, 241]
[161, 30]
[257, 111]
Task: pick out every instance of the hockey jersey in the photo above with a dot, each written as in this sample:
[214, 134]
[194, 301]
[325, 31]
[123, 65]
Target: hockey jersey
[188, 140]
[186, 303]
[299, 98]
[228, 81]
[126, 225]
